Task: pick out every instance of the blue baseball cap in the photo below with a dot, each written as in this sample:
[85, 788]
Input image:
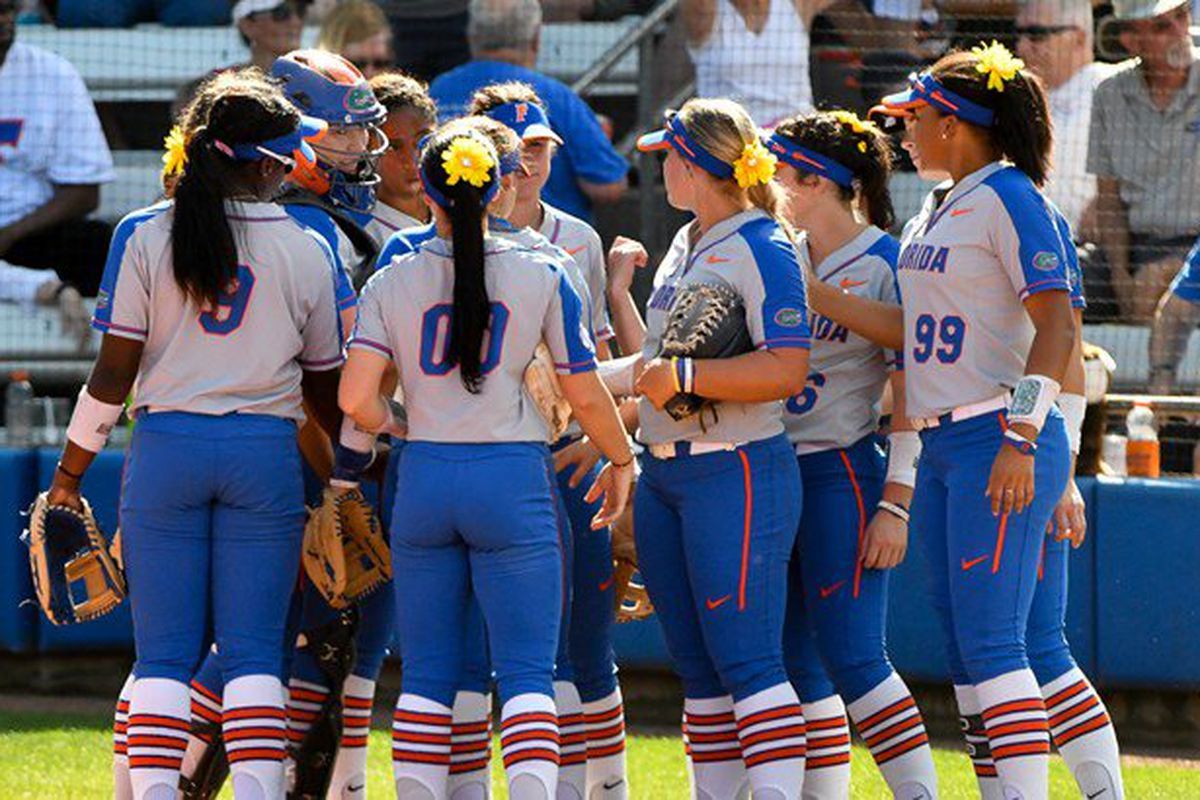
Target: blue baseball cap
[529, 120]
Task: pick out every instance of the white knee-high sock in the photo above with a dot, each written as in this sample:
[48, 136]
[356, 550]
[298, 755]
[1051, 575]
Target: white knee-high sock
[714, 755]
[1084, 735]
[529, 743]
[827, 765]
[890, 723]
[604, 721]
[1014, 716]
[773, 739]
[157, 736]
[206, 711]
[349, 780]
[975, 736]
[572, 743]
[420, 748]
[254, 726]
[471, 748]
[122, 788]
[304, 701]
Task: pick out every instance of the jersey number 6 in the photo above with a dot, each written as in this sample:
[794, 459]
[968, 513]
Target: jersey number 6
[231, 305]
[944, 338]
[435, 339]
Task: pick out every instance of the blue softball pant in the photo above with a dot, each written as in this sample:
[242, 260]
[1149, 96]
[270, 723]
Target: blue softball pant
[1046, 635]
[983, 568]
[212, 516]
[714, 534]
[481, 519]
[837, 610]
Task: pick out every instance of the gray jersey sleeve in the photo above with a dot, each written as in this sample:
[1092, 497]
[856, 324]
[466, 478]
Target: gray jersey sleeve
[597, 281]
[370, 327]
[565, 330]
[321, 332]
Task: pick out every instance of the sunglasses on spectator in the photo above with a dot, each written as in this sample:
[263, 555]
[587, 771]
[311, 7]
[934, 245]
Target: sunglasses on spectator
[373, 63]
[282, 12]
[1040, 33]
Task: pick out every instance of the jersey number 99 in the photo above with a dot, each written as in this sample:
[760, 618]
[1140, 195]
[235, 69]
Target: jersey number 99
[435, 339]
[943, 339]
[231, 305]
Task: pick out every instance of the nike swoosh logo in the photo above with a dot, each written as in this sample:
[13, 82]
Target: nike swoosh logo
[1097, 794]
[605, 585]
[958, 212]
[713, 605]
[716, 259]
[608, 787]
[848, 283]
[966, 565]
[576, 250]
[358, 788]
[828, 590]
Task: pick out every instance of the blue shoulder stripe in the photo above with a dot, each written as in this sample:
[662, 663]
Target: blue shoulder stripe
[116, 254]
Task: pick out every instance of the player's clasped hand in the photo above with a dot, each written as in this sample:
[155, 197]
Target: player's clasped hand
[1070, 517]
[582, 455]
[886, 541]
[1010, 484]
[614, 484]
[624, 257]
[657, 383]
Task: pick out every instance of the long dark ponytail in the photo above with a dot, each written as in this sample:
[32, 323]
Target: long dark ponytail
[203, 250]
[1022, 131]
[466, 205]
[859, 146]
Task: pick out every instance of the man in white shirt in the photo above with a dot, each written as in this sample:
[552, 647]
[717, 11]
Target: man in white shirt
[53, 158]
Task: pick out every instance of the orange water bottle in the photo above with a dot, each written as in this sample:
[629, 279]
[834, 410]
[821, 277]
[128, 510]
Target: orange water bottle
[1141, 453]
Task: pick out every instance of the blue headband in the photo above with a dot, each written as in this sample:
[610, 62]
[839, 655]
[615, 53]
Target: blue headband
[529, 120]
[281, 147]
[675, 136]
[444, 202]
[810, 161]
[924, 88]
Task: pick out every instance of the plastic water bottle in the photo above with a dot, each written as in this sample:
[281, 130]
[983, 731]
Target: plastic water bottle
[18, 411]
[1113, 453]
[1141, 453]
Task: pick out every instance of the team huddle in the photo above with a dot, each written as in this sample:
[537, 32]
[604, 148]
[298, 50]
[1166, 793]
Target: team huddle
[336, 280]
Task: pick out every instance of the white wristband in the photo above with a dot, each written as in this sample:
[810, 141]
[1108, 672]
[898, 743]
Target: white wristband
[92, 421]
[1073, 408]
[354, 437]
[904, 449]
[1031, 400]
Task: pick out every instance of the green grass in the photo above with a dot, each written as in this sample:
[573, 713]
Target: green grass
[66, 757]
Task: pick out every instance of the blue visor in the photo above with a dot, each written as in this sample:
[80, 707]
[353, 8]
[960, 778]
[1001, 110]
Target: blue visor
[924, 89]
[281, 148]
[676, 137]
[807, 160]
[529, 120]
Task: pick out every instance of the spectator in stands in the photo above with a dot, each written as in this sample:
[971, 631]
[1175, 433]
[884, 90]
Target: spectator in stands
[1174, 320]
[504, 38]
[30, 287]
[53, 158]
[1055, 39]
[127, 13]
[753, 51]
[593, 10]
[270, 28]
[1142, 148]
[358, 31]
[430, 36]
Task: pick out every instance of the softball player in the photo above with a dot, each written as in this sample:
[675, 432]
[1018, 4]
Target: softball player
[718, 503]
[854, 526]
[411, 116]
[988, 335]
[215, 277]
[460, 317]
[586, 691]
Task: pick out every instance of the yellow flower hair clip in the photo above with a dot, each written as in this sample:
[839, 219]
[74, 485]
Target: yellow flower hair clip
[174, 157]
[851, 119]
[467, 159]
[998, 63]
[754, 166]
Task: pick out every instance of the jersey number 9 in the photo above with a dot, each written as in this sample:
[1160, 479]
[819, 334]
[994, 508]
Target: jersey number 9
[435, 339]
[231, 305]
[943, 339]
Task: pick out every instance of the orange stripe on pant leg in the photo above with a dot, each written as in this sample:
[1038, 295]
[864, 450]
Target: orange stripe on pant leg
[862, 519]
[749, 488]
[999, 543]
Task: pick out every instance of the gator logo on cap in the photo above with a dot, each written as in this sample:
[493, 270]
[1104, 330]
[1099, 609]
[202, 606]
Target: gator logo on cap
[1045, 261]
[360, 99]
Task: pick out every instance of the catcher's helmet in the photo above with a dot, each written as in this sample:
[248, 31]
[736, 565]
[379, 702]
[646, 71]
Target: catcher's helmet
[330, 88]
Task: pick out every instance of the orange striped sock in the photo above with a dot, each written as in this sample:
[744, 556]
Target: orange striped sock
[773, 737]
[827, 764]
[714, 753]
[470, 746]
[156, 734]
[529, 743]
[254, 726]
[1084, 735]
[604, 721]
[420, 745]
[888, 720]
[1014, 716]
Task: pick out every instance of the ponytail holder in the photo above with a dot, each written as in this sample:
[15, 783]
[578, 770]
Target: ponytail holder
[224, 148]
[755, 166]
[998, 63]
[467, 159]
[174, 157]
